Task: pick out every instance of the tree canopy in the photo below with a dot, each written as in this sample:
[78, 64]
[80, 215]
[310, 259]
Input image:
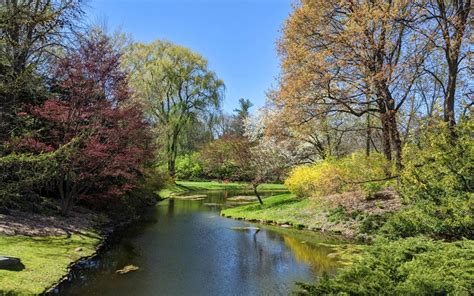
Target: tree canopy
[175, 86]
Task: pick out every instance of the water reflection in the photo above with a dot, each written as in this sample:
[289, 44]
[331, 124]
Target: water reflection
[186, 248]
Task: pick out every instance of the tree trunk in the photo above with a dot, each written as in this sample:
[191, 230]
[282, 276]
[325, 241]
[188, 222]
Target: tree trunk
[368, 136]
[449, 115]
[172, 153]
[256, 193]
[387, 149]
[396, 140]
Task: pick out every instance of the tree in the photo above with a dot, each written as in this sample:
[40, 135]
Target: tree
[261, 158]
[30, 31]
[92, 114]
[219, 159]
[242, 113]
[175, 85]
[446, 25]
[353, 57]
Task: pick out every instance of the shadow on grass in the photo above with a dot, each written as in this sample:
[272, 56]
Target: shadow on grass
[16, 267]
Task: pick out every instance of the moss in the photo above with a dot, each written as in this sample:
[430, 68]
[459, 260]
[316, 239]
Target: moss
[45, 260]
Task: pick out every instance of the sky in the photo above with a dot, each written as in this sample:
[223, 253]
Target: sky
[237, 37]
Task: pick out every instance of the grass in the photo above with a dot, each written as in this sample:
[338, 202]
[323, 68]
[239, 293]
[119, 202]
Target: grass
[184, 186]
[45, 260]
[283, 208]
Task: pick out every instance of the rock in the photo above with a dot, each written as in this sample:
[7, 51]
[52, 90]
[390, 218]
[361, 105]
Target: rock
[9, 262]
[212, 204]
[190, 197]
[286, 226]
[127, 269]
[78, 249]
[241, 198]
[245, 228]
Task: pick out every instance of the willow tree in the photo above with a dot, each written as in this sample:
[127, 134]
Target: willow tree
[350, 57]
[175, 85]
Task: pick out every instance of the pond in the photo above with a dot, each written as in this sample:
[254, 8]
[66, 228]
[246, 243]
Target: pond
[185, 247]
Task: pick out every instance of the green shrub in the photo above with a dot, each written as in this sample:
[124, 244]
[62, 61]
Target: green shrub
[21, 174]
[330, 176]
[189, 167]
[142, 197]
[410, 222]
[413, 266]
[437, 165]
[437, 182]
[371, 224]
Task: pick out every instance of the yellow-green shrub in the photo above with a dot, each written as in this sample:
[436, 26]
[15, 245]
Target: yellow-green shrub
[330, 176]
[316, 180]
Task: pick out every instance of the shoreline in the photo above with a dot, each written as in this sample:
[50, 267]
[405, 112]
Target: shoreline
[51, 247]
[287, 211]
[297, 226]
[106, 240]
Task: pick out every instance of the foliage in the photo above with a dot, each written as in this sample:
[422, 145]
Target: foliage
[30, 32]
[218, 158]
[371, 224]
[438, 166]
[414, 266]
[438, 182]
[145, 195]
[23, 172]
[176, 86]
[189, 167]
[331, 176]
[91, 114]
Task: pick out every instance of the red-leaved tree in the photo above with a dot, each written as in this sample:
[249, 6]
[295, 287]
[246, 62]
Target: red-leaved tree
[91, 114]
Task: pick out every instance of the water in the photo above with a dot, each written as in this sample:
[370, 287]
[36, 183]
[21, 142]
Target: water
[186, 248]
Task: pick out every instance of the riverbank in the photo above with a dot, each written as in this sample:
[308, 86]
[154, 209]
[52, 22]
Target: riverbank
[47, 245]
[50, 246]
[288, 211]
[186, 186]
[45, 260]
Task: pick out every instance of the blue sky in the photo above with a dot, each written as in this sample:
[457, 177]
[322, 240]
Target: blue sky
[236, 36]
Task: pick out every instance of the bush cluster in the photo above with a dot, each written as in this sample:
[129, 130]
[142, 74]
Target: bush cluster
[330, 176]
[189, 167]
[437, 182]
[412, 266]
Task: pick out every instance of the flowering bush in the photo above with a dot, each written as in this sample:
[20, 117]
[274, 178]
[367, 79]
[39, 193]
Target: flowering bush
[330, 176]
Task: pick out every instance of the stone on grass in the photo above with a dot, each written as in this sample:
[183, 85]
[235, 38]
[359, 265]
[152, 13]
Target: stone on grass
[8, 262]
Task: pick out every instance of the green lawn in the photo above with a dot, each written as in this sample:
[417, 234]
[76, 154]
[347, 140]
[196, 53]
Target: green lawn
[45, 260]
[283, 208]
[183, 186]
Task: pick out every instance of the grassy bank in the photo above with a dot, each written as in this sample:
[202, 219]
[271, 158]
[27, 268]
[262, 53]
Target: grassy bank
[287, 209]
[45, 260]
[284, 208]
[184, 186]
